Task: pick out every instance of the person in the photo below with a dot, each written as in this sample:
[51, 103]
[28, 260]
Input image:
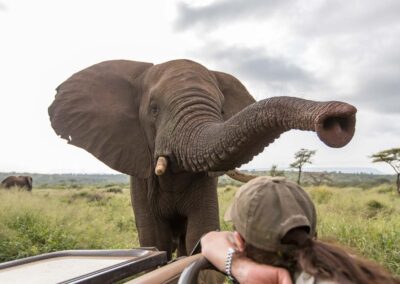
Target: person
[275, 241]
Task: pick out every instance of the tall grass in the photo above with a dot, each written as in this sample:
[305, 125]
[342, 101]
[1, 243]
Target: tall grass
[51, 220]
[366, 220]
[45, 220]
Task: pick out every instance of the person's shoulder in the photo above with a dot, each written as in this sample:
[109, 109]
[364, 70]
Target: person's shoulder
[305, 278]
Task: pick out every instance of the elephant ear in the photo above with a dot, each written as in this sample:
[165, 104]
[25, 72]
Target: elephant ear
[29, 180]
[236, 95]
[97, 109]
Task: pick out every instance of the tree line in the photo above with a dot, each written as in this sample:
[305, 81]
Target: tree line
[389, 156]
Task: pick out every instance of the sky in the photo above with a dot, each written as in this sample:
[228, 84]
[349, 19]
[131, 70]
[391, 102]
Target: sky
[320, 50]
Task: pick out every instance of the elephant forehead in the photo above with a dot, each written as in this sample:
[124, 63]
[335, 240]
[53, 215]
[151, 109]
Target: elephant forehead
[180, 75]
[180, 64]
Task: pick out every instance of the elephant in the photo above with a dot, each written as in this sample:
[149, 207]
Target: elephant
[174, 127]
[17, 181]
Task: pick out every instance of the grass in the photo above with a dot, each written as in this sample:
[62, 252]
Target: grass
[366, 220]
[50, 220]
[92, 217]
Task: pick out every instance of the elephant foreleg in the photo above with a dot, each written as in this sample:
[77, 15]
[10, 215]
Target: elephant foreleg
[151, 230]
[203, 216]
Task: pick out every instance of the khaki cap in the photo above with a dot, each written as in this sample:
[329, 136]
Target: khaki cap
[265, 209]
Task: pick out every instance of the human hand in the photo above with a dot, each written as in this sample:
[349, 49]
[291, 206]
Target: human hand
[215, 246]
[247, 271]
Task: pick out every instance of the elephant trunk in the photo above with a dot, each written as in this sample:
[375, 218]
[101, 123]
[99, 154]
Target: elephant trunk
[222, 146]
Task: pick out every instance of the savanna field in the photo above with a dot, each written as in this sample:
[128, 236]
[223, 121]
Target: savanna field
[101, 217]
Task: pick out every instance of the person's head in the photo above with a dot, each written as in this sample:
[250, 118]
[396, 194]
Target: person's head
[273, 216]
[276, 224]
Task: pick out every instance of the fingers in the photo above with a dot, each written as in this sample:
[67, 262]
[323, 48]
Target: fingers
[284, 276]
[239, 242]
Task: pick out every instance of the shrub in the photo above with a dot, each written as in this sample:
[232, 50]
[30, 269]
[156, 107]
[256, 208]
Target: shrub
[114, 190]
[320, 195]
[31, 234]
[227, 188]
[89, 197]
[385, 188]
[375, 207]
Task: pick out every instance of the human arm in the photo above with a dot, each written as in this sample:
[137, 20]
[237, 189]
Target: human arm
[215, 246]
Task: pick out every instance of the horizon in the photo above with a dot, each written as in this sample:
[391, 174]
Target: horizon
[341, 170]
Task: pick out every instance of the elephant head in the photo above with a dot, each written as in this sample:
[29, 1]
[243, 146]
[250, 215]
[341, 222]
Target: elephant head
[128, 114]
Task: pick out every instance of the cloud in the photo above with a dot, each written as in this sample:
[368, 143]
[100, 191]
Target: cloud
[381, 93]
[378, 83]
[256, 65]
[347, 17]
[315, 17]
[221, 12]
[373, 125]
[3, 7]
[346, 50]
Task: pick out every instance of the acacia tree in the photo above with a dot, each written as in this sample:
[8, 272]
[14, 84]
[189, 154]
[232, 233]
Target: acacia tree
[274, 172]
[320, 178]
[302, 157]
[392, 158]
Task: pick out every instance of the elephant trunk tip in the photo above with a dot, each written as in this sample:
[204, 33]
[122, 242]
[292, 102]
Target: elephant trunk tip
[336, 127]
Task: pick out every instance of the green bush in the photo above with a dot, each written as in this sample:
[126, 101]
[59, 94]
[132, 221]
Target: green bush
[31, 235]
[385, 188]
[375, 207]
[114, 190]
[89, 196]
[320, 195]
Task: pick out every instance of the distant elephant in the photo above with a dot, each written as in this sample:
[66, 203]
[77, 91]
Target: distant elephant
[17, 181]
[174, 127]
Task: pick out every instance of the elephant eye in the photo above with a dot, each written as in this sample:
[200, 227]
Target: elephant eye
[154, 109]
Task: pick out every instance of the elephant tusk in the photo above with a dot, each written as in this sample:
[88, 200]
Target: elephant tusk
[240, 176]
[244, 177]
[161, 165]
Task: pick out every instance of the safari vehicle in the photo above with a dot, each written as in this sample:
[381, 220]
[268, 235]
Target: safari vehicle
[133, 266]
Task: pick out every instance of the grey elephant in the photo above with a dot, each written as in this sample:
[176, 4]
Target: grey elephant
[174, 127]
[17, 181]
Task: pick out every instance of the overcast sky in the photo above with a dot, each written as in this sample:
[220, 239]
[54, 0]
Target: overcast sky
[321, 50]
